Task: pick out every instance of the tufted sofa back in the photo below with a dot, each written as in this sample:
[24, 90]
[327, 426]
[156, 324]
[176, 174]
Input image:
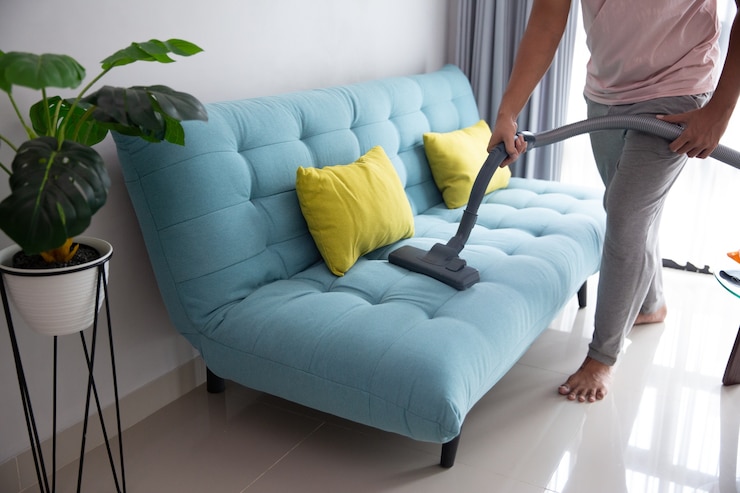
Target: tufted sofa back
[220, 215]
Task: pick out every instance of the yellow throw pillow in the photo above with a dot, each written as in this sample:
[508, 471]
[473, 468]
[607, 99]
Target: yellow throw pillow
[456, 158]
[352, 209]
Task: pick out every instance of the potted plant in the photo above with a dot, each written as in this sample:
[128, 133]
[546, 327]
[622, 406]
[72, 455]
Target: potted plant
[58, 181]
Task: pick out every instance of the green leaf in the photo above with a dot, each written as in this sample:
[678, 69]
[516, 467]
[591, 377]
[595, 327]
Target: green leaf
[182, 47]
[153, 50]
[39, 71]
[151, 112]
[5, 84]
[174, 133]
[89, 133]
[178, 105]
[55, 190]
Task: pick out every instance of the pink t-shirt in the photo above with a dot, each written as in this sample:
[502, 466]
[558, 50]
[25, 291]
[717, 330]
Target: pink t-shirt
[643, 49]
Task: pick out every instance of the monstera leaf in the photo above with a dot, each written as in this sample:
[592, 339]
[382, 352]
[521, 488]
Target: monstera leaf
[39, 71]
[151, 112]
[153, 50]
[73, 118]
[55, 190]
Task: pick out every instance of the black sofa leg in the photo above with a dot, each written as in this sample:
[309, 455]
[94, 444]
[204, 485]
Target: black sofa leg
[214, 383]
[449, 451]
[583, 295]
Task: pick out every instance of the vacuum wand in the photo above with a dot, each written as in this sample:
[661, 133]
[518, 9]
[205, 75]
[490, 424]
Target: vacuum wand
[442, 261]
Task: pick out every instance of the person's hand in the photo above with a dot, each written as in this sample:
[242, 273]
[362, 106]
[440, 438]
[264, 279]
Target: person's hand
[702, 130]
[505, 131]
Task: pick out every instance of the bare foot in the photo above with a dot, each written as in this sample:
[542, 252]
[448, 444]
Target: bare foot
[590, 383]
[652, 318]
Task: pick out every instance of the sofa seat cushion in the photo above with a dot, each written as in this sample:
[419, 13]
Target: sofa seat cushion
[335, 344]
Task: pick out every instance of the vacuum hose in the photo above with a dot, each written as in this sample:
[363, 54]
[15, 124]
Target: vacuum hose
[647, 124]
[442, 261]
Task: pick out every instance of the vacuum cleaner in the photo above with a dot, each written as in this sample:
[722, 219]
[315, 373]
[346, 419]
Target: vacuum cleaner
[443, 262]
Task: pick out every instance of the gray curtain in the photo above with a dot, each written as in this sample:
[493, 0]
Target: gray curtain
[484, 37]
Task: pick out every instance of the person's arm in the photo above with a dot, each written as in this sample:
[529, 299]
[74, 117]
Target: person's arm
[537, 48]
[703, 128]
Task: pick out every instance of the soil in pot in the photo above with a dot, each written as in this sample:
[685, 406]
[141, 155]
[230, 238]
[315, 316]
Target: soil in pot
[84, 254]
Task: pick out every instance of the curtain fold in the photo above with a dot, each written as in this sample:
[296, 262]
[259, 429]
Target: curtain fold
[485, 35]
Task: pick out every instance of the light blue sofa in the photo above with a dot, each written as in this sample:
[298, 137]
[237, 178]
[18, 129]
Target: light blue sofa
[244, 282]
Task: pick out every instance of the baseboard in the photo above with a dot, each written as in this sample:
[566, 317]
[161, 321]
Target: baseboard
[18, 473]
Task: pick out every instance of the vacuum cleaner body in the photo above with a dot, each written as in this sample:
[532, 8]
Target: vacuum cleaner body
[443, 262]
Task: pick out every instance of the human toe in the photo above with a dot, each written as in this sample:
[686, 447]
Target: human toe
[585, 396]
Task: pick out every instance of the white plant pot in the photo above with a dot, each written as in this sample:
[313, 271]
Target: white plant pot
[56, 301]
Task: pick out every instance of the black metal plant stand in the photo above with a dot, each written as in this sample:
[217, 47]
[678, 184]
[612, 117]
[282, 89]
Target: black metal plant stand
[41, 472]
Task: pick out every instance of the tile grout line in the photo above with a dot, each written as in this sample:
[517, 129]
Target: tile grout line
[283, 456]
[18, 474]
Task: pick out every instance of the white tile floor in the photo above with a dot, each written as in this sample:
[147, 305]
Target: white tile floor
[668, 425]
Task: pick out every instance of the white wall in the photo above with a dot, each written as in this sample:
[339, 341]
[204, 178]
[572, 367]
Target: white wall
[252, 48]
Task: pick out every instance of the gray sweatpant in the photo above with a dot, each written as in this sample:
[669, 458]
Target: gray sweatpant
[638, 170]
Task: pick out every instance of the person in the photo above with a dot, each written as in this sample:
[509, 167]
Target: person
[656, 57]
